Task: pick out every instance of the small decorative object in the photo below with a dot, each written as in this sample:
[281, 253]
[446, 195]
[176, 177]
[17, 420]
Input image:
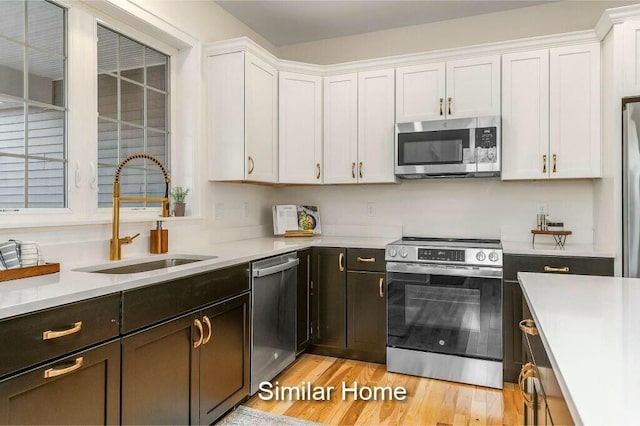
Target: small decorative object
[159, 239]
[560, 237]
[178, 195]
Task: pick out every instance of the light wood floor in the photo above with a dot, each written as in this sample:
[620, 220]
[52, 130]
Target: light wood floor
[429, 402]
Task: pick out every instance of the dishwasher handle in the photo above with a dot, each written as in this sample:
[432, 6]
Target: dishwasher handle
[270, 270]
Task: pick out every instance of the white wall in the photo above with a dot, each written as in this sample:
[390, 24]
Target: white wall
[551, 18]
[481, 207]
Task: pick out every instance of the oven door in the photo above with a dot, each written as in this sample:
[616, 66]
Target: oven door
[447, 310]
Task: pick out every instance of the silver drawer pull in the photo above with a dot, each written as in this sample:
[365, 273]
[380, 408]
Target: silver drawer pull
[50, 334]
[366, 259]
[552, 269]
[55, 372]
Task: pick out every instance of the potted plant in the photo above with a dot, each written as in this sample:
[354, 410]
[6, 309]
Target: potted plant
[178, 195]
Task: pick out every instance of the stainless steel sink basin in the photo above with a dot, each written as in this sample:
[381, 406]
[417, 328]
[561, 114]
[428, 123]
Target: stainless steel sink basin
[134, 267]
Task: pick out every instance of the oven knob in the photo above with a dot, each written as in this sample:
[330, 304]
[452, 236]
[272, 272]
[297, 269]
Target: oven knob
[393, 252]
[403, 252]
[493, 256]
[481, 256]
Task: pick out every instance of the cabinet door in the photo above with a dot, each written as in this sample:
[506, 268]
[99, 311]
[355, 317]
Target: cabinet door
[225, 101]
[160, 374]
[366, 315]
[303, 312]
[261, 120]
[631, 57]
[376, 121]
[224, 358]
[329, 295]
[525, 115]
[512, 336]
[473, 87]
[300, 128]
[574, 123]
[420, 92]
[340, 144]
[88, 394]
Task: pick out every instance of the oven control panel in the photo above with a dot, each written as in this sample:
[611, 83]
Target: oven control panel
[443, 255]
[460, 256]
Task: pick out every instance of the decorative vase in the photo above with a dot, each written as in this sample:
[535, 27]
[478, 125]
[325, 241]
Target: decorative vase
[178, 209]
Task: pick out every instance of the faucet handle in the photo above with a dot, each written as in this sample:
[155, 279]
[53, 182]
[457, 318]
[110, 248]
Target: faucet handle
[128, 240]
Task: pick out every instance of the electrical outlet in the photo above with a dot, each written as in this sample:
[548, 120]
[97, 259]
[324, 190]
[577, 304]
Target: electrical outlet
[245, 209]
[371, 209]
[542, 208]
[219, 211]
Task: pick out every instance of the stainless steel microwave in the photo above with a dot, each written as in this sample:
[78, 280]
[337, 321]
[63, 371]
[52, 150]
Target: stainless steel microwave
[468, 147]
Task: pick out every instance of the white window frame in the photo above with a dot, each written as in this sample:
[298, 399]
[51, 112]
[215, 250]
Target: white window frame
[82, 112]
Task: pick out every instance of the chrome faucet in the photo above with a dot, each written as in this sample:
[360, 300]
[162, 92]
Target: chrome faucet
[116, 241]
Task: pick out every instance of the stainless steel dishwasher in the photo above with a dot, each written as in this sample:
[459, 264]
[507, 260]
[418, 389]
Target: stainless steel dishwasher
[273, 317]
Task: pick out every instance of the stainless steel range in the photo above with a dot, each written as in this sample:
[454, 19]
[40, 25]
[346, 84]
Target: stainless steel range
[444, 309]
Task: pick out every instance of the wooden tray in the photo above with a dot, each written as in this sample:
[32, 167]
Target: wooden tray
[560, 237]
[29, 271]
[301, 233]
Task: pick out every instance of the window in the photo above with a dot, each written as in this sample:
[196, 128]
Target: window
[133, 102]
[32, 105]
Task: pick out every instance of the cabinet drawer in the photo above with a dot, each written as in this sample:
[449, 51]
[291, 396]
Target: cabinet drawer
[33, 338]
[576, 265]
[175, 297]
[365, 260]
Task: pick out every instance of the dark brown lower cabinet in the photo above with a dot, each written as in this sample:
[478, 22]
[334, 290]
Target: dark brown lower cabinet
[329, 299]
[166, 380]
[512, 336]
[81, 389]
[366, 316]
[303, 333]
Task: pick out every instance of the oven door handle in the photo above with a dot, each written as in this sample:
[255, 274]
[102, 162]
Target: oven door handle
[423, 269]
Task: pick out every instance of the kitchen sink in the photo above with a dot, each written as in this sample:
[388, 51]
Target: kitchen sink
[144, 265]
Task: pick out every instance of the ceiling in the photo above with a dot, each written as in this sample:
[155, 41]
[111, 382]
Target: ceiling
[283, 22]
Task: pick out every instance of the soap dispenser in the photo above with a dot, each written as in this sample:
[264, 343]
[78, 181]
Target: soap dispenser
[159, 239]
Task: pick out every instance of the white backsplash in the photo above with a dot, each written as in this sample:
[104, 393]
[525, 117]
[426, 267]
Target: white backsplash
[483, 207]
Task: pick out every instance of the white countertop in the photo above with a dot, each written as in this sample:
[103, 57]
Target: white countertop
[590, 327]
[551, 249]
[45, 291]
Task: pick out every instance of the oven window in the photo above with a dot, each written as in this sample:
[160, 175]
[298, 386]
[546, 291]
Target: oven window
[436, 147]
[445, 314]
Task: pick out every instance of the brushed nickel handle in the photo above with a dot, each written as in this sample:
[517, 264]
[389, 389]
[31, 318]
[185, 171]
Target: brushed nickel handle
[527, 372]
[198, 325]
[55, 372]
[353, 170]
[318, 171]
[450, 101]
[205, 319]
[555, 163]
[380, 290]
[341, 262]
[252, 165]
[50, 334]
[366, 259]
[552, 269]
[528, 326]
[360, 171]
[544, 163]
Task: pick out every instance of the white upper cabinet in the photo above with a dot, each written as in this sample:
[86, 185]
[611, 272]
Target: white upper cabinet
[574, 123]
[261, 123]
[376, 126]
[300, 128]
[455, 89]
[525, 115]
[243, 118]
[473, 87]
[340, 145]
[631, 46]
[420, 92]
